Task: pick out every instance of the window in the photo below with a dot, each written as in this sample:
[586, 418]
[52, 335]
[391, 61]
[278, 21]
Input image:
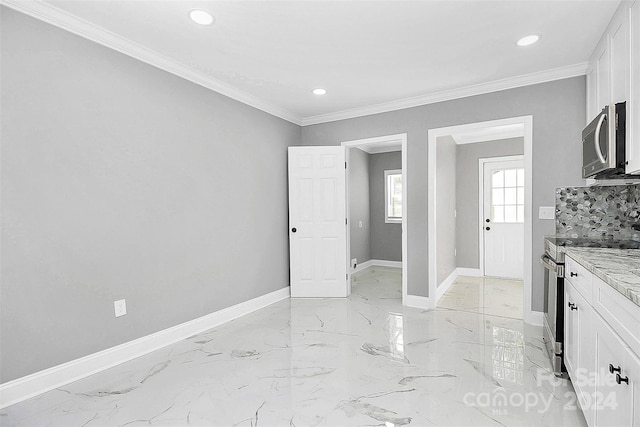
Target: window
[507, 195]
[393, 196]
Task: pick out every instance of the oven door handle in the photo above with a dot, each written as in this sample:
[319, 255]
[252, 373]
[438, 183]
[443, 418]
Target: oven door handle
[549, 264]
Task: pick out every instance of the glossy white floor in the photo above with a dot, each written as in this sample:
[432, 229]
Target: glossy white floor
[361, 361]
[487, 295]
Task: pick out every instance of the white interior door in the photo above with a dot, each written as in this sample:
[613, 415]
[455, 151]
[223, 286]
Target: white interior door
[317, 222]
[503, 219]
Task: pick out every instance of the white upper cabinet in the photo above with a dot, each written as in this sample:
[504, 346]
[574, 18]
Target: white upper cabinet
[633, 101]
[613, 75]
[619, 54]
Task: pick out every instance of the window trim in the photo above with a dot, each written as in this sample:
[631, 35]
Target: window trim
[387, 219]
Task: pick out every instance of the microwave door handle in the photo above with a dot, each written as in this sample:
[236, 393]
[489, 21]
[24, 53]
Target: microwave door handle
[596, 140]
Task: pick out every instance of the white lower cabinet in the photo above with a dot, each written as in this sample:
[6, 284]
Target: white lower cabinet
[579, 348]
[603, 367]
[617, 386]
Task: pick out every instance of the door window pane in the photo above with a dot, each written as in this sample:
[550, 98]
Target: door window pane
[498, 179]
[510, 178]
[510, 196]
[498, 196]
[507, 195]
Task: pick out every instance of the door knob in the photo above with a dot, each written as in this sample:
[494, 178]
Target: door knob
[293, 230]
[487, 228]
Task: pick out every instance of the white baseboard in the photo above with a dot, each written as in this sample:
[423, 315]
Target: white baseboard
[460, 271]
[535, 318]
[40, 382]
[417, 302]
[385, 263]
[360, 267]
[377, 263]
[446, 284]
[464, 271]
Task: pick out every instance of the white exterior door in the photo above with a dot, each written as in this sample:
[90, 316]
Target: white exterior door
[503, 219]
[317, 222]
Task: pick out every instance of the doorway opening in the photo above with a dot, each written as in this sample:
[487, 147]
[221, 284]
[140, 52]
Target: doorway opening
[376, 200]
[458, 228]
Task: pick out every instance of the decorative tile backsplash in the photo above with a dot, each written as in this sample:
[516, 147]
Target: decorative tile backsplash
[598, 212]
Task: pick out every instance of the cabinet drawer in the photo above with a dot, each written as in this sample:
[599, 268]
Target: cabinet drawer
[622, 314]
[580, 278]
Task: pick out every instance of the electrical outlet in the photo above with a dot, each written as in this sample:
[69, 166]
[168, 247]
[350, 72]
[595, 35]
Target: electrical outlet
[120, 307]
[360, 224]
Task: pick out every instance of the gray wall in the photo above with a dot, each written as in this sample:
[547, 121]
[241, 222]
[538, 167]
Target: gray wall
[467, 188]
[445, 207]
[359, 206]
[120, 180]
[558, 110]
[386, 239]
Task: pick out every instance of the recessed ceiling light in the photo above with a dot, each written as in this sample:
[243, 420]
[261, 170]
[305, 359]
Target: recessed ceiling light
[201, 17]
[319, 91]
[528, 40]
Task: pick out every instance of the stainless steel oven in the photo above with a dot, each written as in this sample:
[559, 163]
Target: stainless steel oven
[553, 330]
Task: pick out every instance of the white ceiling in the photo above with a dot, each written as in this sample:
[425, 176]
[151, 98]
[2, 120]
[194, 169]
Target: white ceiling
[363, 53]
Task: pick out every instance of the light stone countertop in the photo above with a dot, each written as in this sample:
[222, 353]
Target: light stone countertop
[619, 268]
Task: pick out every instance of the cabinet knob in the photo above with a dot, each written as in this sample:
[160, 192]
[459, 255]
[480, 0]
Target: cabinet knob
[621, 380]
[612, 369]
[574, 274]
[572, 306]
[293, 230]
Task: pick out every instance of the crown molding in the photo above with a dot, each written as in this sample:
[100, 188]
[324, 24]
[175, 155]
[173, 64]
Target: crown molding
[447, 95]
[61, 19]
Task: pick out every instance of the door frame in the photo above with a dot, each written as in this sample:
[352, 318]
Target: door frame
[391, 139]
[481, 163]
[531, 317]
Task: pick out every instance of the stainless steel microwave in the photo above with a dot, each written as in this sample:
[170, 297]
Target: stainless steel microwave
[603, 145]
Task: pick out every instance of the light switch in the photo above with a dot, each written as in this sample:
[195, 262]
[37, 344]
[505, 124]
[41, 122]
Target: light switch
[360, 224]
[547, 212]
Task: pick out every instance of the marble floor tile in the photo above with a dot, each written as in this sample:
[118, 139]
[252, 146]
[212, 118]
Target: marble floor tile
[365, 360]
[486, 295]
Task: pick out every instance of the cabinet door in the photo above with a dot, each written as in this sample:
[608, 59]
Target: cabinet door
[571, 331]
[614, 406]
[580, 348]
[592, 102]
[633, 103]
[602, 66]
[632, 371]
[619, 56]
